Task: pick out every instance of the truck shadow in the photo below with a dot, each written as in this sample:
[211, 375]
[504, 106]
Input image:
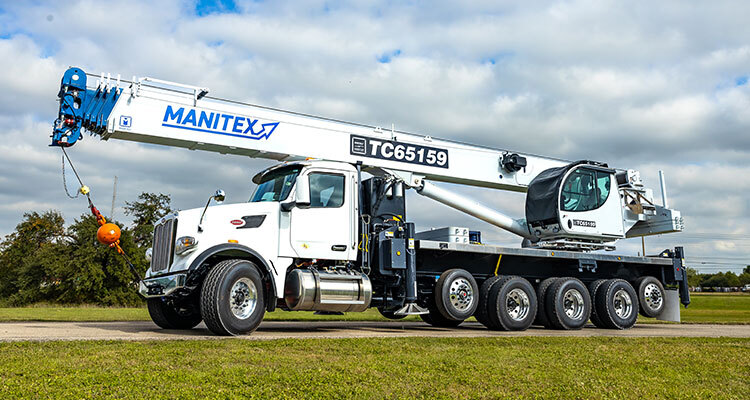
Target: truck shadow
[148, 330]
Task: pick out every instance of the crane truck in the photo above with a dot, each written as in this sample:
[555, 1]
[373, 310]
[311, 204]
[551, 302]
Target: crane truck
[327, 229]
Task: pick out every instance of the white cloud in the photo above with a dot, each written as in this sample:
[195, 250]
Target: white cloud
[640, 85]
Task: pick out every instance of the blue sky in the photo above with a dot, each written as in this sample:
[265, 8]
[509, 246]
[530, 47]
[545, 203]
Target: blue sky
[206, 7]
[639, 85]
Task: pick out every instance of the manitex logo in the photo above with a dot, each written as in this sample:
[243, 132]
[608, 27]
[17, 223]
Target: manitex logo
[219, 123]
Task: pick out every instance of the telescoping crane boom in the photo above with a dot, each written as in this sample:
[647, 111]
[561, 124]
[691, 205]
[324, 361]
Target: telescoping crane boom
[316, 236]
[155, 111]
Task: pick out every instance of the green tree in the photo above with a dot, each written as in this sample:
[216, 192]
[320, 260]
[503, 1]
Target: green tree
[149, 208]
[713, 280]
[721, 279]
[732, 280]
[28, 257]
[694, 278]
[94, 273]
[745, 276]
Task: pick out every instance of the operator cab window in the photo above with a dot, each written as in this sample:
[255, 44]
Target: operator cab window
[326, 190]
[276, 185]
[585, 190]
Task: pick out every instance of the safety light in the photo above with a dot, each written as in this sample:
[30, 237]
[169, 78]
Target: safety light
[185, 244]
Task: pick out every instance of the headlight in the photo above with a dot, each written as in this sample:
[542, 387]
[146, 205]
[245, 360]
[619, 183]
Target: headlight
[149, 252]
[185, 244]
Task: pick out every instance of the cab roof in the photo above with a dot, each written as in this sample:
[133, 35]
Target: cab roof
[303, 164]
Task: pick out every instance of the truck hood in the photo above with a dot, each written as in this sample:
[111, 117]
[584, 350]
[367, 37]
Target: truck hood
[254, 225]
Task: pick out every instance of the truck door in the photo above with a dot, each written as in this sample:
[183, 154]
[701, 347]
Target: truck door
[324, 229]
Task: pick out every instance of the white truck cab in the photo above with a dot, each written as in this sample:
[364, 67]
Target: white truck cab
[299, 210]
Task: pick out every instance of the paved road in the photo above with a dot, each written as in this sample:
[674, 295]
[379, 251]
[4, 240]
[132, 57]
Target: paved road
[142, 330]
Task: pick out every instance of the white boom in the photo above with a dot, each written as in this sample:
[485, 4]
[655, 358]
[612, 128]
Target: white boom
[155, 115]
[171, 114]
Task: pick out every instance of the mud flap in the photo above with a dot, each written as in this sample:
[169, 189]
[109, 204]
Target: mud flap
[671, 306]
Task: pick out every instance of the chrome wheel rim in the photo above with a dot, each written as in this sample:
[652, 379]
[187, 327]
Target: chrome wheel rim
[623, 304]
[461, 294]
[517, 304]
[243, 298]
[573, 304]
[653, 296]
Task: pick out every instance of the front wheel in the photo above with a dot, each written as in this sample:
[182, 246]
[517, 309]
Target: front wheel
[233, 298]
[167, 315]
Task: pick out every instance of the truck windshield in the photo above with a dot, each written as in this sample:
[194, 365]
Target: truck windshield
[276, 185]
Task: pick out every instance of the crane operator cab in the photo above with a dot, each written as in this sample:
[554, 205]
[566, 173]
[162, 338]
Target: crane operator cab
[579, 201]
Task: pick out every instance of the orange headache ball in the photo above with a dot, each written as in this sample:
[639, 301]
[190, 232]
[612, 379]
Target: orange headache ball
[108, 234]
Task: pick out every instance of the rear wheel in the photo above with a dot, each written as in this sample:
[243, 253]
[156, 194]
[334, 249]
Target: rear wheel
[616, 304]
[541, 312]
[650, 296]
[168, 315]
[512, 305]
[233, 298]
[593, 287]
[481, 314]
[568, 304]
[456, 294]
[435, 318]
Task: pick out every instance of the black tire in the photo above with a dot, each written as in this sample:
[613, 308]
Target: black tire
[168, 316]
[650, 296]
[593, 287]
[216, 297]
[608, 299]
[436, 319]
[390, 314]
[481, 314]
[455, 288]
[512, 305]
[541, 310]
[563, 292]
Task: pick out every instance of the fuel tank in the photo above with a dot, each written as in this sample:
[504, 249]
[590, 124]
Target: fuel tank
[313, 290]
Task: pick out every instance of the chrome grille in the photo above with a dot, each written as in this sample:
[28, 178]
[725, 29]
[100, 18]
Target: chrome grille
[163, 246]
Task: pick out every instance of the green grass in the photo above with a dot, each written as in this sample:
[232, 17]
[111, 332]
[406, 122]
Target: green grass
[72, 313]
[718, 308]
[590, 368]
[715, 308]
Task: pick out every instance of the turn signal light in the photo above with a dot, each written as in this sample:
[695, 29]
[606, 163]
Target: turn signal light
[184, 244]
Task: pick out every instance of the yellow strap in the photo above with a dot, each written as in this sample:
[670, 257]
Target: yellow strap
[500, 257]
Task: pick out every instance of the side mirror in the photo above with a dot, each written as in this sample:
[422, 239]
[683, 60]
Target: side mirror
[219, 196]
[302, 191]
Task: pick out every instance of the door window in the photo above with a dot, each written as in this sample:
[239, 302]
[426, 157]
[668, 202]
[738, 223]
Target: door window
[326, 190]
[585, 190]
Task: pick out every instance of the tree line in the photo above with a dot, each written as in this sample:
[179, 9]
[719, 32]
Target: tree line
[719, 279]
[45, 261]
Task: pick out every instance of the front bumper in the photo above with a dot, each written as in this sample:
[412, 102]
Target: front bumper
[162, 285]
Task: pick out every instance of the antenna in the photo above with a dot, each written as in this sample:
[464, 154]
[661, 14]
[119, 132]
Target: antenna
[114, 195]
